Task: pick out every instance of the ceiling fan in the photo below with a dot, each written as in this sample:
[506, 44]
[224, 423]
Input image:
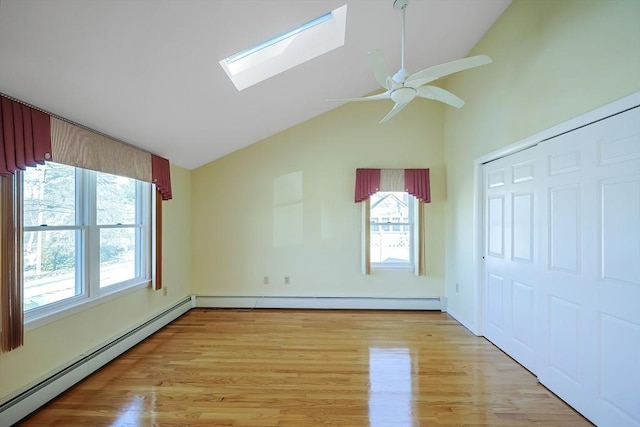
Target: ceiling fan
[402, 87]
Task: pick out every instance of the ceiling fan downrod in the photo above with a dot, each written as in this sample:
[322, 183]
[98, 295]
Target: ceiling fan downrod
[401, 75]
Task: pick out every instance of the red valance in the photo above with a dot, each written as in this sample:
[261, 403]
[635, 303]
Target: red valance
[416, 181]
[25, 136]
[161, 176]
[370, 181]
[26, 140]
[367, 183]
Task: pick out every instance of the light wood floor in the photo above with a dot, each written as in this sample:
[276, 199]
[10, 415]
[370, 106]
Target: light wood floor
[310, 368]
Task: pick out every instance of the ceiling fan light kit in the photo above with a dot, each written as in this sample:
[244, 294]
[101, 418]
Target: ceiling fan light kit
[403, 87]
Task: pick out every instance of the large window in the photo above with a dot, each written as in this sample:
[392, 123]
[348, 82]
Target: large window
[392, 229]
[86, 235]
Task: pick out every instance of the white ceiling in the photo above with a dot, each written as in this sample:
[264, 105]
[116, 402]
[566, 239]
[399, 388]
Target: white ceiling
[146, 71]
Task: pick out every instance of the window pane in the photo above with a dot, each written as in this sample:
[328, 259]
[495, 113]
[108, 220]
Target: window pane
[116, 199]
[49, 195]
[49, 267]
[391, 243]
[117, 255]
[390, 246]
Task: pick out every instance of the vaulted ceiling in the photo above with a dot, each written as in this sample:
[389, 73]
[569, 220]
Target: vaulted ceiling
[146, 72]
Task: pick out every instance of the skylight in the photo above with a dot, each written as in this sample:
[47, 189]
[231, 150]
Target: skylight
[286, 50]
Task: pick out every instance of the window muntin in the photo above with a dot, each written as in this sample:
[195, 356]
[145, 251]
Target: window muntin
[391, 238]
[86, 235]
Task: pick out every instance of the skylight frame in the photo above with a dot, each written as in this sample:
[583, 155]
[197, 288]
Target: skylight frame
[280, 37]
[287, 49]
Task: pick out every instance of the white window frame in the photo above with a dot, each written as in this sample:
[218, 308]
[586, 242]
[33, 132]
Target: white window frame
[412, 224]
[88, 251]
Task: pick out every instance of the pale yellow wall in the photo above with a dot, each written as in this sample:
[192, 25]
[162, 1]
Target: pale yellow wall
[55, 345]
[284, 206]
[553, 60]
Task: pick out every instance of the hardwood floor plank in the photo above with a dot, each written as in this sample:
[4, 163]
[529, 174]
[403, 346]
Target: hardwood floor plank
[310, 368]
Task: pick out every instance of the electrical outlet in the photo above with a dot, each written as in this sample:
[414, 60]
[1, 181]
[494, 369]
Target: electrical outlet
[265, 280]
[164, 291]
[457, 287]
[287, 280]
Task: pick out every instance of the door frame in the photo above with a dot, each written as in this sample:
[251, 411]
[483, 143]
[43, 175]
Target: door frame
[601, 113]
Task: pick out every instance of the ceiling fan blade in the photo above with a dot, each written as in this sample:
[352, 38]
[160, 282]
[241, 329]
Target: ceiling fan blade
[383, 95]
[395, 110]
[433, 73]
[439, 94]
[379, 68]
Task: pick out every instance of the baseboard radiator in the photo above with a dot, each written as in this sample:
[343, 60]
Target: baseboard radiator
[322, 303]
[28, 401]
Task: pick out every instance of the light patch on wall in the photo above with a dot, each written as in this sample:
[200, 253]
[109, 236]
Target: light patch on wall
[326, 228]
[286, 50]
[288, 210]
[287, 188]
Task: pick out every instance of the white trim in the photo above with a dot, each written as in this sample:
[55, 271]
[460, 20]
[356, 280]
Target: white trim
[600, 113]
[48, 388]
[39, 320]
[321, 303]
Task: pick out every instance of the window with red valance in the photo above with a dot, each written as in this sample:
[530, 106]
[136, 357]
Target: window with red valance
[414, 182]
[31, 137]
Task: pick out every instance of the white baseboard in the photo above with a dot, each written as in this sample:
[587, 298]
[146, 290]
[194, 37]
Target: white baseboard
[28, 401]
[330, 303]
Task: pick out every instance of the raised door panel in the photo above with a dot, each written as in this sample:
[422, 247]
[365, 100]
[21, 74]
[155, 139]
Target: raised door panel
[564, 229]
[523, 230]
[619, 368]
[496, 229]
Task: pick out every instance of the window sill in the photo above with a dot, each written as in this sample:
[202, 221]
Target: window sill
[392, 267]
[36, 321]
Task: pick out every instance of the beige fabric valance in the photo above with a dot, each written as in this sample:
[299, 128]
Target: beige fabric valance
[75, 146]
[392, 180]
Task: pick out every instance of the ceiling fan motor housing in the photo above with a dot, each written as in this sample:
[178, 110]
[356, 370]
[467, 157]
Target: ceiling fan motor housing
[403, 95]
[400, 4]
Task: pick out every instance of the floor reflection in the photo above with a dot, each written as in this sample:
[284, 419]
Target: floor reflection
[390, 390]
[132, 413]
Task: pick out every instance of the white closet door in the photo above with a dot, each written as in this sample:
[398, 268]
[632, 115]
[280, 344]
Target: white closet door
[510, 278]
[589, 311]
